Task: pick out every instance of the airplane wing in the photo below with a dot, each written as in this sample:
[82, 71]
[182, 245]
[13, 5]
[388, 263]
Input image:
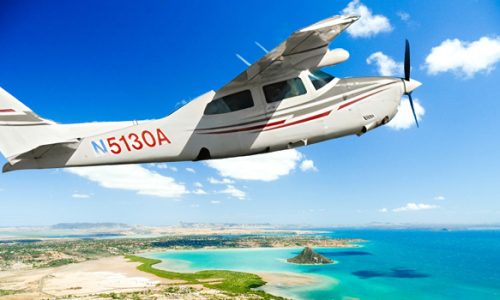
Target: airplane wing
[303, 50]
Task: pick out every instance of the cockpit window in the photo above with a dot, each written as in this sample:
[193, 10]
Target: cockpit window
[284, 89]
[229, 103]
[320, 78]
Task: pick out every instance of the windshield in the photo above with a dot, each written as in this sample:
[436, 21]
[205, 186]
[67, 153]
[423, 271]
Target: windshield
[320, 78]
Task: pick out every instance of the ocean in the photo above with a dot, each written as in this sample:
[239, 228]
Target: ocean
[393, 264]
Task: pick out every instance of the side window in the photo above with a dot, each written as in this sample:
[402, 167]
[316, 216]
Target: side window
[284, 89]
[229, 103]
[320, 78]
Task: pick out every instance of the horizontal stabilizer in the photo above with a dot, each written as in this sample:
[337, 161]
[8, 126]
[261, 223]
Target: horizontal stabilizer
[42, 155]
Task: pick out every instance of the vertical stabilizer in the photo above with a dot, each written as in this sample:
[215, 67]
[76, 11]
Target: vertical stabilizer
[20, 128]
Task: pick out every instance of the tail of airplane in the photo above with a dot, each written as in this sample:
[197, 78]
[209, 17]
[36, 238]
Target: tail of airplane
[20, 128]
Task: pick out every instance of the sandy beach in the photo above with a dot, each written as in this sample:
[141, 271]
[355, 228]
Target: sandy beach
[88, 279]
[114, 274]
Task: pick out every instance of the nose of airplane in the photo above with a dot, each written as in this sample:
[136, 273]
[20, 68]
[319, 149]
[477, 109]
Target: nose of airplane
[410, 85]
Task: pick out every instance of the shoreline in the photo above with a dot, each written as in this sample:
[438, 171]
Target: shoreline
[159, 250]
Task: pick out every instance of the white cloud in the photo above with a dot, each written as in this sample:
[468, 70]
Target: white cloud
[200, 191]
[232, 191]
[80, 196]
[132, 178]
[215, 202]
[440, 198]
[263, 167]
[194, 205]
[404, 16]
[164, 166]
[191, 170]
[308, 165]
[464, 58]
[383, 210]
[368, 25]
[386, 66]
[198, 184]
[220, 181]
[415, 207]
[404, 118]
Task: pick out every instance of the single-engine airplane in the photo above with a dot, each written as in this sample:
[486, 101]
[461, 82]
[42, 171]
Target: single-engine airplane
[282, 101]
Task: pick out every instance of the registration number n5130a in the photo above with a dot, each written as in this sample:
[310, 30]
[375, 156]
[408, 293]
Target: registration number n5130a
[134, 141]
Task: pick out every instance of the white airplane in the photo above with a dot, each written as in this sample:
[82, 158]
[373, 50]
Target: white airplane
[282, 101]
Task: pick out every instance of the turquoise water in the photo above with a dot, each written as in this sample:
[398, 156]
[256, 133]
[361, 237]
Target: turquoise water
[394, 264]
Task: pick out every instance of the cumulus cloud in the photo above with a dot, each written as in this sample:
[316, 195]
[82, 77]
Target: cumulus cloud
[134, 178]
[404, 118]
[191, 170]
[308, 165]
[383, 210]
[386, 66]
[220, 181]
[415, 207]
[234, 192]
[263, 167]
[404, 16]
[80, 196]
[440, 198]
[369, 24]
[215, 202]
[163, 166]
[464, 58]
[200, 191]
[198, 184]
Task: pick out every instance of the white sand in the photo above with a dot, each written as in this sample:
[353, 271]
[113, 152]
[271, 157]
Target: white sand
[114, 274]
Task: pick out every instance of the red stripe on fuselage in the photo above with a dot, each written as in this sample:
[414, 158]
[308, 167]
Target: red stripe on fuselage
[7, 110]
[359, 99]
[321, 115]
[261, 126]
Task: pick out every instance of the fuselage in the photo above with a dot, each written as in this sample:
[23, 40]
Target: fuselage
[338, 108]
[277, 116]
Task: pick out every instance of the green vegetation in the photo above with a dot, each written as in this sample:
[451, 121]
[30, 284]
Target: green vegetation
[230, 282]
[7, 292]
[58, 262]
[309, 256]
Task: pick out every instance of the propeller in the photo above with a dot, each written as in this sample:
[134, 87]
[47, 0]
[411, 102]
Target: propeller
[408, 81]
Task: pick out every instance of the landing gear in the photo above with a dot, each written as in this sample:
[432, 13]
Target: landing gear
[203, 155]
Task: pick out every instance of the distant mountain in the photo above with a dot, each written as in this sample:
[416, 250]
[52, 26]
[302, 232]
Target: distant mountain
[89, 225]
[308, 256]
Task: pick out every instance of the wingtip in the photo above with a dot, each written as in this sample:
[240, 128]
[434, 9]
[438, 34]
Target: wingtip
[7, 168]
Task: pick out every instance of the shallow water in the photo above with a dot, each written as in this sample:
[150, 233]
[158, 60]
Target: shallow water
[394, 264]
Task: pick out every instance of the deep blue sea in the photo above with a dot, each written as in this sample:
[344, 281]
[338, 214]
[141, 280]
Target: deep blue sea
[393, 264]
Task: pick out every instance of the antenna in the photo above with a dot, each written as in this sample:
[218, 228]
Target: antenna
[261, 47]
[243, 60]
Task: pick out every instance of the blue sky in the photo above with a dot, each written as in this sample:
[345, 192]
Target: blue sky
[117, 60]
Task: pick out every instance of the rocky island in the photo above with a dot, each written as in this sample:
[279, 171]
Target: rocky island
[310, 257]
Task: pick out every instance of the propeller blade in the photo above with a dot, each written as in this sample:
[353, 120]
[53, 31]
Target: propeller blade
[407, 65]
[413, 109]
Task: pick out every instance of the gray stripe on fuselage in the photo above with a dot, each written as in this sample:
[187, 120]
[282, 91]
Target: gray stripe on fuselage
[27, 116]
[336, 98]
[343, 86]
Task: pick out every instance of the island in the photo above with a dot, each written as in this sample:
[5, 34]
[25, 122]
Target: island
[310, 257]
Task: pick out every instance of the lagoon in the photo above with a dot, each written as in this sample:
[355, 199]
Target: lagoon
[393, 264]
